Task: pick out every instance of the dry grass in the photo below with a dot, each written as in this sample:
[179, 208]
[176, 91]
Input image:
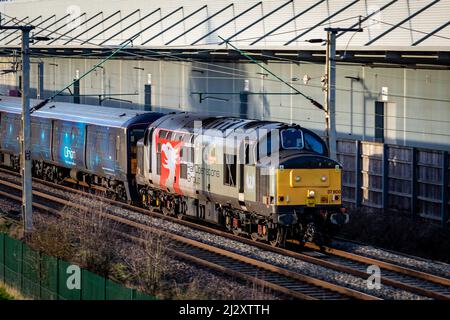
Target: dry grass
[8, 293]
[88, 239]
[84, 237]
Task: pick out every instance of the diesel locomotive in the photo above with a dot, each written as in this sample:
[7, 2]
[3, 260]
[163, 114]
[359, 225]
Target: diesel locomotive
[265, 179]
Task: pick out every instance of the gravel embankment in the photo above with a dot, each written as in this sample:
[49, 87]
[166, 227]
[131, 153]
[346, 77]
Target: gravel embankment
[289, 263]
[416, 263]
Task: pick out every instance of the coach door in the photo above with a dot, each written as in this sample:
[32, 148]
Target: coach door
[247, 175]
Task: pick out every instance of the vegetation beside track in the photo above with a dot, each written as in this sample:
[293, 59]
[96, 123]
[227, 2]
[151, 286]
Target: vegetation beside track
[4, 295]
[397, 232]
[86, 238]
[7, 293]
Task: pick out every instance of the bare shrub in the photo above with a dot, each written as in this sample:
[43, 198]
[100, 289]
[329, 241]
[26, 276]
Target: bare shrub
[259, 292]
[81, 235]
[148, 264]
[53, 237]
[192, 291]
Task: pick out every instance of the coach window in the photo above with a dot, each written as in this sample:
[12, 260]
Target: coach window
[313, 144]
[150, 143]
[169, 135]
[230, 168]
[162, 134]
[264, 147]
[135, 136]
[158, 159]
[183, 164]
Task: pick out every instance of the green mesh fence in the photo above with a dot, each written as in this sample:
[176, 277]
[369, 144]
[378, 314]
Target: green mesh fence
[116, 291]
[31, 266]
[94, 286]
[39, 276]
[2, 257]
[49, 278]
[13, 262]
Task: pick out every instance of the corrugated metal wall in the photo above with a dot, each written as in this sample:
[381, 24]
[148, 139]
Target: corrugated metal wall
[343, 13]
[417, 111]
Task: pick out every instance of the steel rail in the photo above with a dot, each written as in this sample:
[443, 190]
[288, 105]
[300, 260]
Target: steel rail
[391, 280]
[316, 288]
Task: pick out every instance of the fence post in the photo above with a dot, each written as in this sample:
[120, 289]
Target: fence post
[444, 195]
[385, 176]
[358, 173]
[414, 183]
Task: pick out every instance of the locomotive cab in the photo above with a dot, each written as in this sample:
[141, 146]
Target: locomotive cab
[304, 191]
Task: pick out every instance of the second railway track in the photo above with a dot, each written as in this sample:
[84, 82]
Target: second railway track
[417, 282]
[288, 283]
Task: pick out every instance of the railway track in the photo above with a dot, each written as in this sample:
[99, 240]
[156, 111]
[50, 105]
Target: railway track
[288, 283]
[418, 282]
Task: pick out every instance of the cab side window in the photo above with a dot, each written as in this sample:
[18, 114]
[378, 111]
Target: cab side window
[312, 143]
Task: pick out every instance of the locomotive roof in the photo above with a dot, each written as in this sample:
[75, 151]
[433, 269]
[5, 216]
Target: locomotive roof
[90, 114]
[177, 121]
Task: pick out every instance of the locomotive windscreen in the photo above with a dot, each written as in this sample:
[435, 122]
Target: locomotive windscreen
[292, 139]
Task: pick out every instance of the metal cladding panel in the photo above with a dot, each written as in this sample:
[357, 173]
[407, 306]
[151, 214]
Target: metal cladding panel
[49, 278]
[190, 25]
[93, 286]
[397, 12]
[242, 21]
[166, 23]
[101, 24]
[422, 24]
[65, 282]
[116, 291]
[31, 272]
[272, 22]
[170, 84]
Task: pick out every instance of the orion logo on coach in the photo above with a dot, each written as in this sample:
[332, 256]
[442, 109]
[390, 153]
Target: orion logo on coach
[69, 153]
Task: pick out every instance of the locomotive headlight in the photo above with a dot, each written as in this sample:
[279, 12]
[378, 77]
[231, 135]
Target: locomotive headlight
[323, 179]
[311, 194]
[297, 179]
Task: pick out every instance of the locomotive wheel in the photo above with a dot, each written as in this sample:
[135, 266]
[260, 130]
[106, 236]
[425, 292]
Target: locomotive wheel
[278, 239]
[166, 211]
[181, 211]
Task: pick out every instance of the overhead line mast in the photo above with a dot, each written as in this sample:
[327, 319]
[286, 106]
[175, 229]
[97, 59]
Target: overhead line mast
[25, 135]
